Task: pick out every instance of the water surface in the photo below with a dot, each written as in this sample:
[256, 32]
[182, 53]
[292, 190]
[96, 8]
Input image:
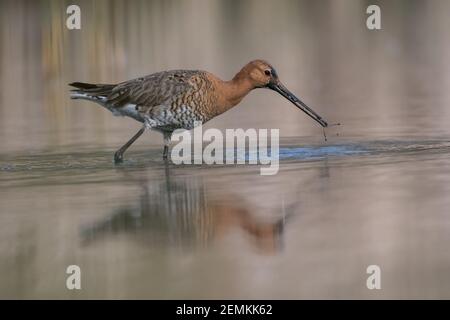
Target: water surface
[375, 193]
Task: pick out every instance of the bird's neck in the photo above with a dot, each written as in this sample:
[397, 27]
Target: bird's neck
[232, 92]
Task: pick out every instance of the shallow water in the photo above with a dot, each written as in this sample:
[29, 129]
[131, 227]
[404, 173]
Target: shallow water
[145, 229]
[375, 193]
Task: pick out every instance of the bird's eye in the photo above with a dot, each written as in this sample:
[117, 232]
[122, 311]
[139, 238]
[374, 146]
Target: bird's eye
[267, 72]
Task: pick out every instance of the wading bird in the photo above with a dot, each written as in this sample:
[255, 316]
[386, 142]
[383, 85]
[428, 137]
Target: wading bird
[170, 100]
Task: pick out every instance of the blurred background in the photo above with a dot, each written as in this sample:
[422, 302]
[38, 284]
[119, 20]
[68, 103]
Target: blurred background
[375, 193]
[383, 83]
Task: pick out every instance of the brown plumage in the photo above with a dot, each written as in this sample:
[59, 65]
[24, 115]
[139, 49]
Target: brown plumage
[170, 100]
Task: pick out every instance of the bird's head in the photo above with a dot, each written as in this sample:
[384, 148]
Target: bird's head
[262, 75]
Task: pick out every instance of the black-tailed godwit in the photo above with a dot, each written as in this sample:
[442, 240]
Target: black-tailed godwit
[170, 100]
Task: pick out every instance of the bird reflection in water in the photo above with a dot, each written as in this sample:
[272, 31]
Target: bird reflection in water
[179, 211]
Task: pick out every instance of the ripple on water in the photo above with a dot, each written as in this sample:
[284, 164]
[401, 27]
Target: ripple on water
[52, 163]
[320, 152]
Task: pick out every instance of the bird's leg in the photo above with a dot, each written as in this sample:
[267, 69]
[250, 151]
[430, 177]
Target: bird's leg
[167, 137]
[118, 156]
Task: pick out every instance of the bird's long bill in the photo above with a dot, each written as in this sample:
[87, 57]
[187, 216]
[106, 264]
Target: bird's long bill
[278, 87]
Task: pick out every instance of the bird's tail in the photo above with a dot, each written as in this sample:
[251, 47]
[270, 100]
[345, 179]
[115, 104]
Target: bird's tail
[92, 92]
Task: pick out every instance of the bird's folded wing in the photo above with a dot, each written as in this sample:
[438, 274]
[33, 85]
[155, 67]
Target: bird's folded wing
[153, 90]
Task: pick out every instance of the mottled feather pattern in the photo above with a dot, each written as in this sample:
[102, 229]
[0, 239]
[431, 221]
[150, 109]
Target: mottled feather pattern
[165, 100]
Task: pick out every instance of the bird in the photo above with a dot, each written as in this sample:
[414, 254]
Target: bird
[181, 99]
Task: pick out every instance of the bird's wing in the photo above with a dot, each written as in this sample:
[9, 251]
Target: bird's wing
[153, 90]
